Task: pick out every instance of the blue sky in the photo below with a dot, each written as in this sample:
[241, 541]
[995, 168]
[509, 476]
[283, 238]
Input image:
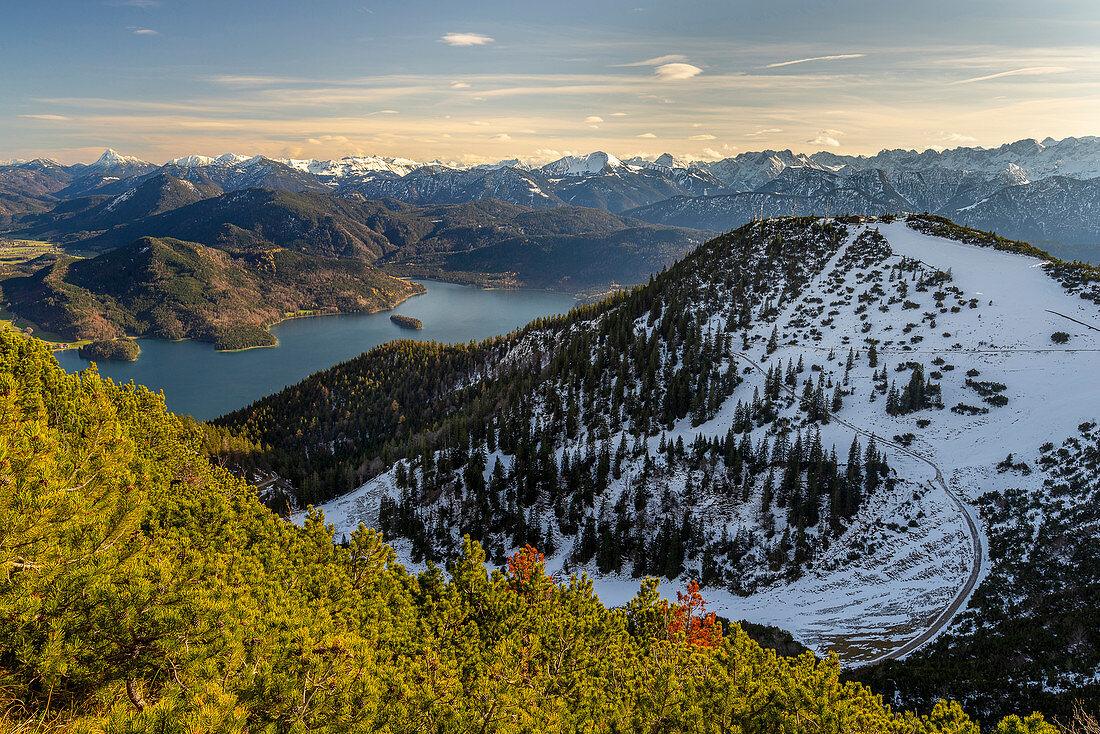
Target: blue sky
[476, 81]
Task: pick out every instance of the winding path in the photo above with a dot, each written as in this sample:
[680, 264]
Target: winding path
[944, 617]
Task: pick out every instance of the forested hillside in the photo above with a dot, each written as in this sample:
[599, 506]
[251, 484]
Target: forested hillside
[541, 437]
[146, 590]
[485, 242]
[170, 289]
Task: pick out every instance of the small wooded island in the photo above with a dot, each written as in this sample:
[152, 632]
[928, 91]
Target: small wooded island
[406, 322]
[119, 350]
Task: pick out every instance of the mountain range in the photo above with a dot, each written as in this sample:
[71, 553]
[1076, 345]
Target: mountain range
[488, 241]
[1043, 190]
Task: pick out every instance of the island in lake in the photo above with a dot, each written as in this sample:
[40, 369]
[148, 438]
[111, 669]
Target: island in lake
[118, 350]
[406, 322]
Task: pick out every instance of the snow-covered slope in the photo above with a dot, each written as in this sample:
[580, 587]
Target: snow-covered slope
[977, 322]
[863, 607]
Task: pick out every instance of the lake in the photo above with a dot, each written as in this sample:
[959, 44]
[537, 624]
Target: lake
[204, 383]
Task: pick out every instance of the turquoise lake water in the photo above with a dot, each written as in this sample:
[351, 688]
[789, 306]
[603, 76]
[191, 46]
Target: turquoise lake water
[204, 383]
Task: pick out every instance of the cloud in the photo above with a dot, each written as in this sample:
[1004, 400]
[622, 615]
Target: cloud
[144, 32]
[46, 117]
[593, 119]
[676, 72]
[250, 80]
[712, 153]
[327, 139]
[702, 137]
[825, 140]
[503, 137]
[618, 114]
[388, 112]
[146, 4]
[459, 85]
[647, 135]
[479, 123]
[959, 138]
[835, 57]
[1027, 71]
[764, 131]
[656, 61]
[466, 39]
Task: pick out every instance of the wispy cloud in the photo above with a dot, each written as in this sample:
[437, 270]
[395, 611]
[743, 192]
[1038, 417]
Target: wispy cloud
[144, 32]
[656, 61]
[250, 79]
[1026, 71]
[702, 137]
[46, 117]
[676, 72]
[827, 140]
[502, 137]
[959, 138]
[834, 57]
[763, 131]
[322, 139]
[459, 85]
[466, 39]
[647, 135]
[593, 119]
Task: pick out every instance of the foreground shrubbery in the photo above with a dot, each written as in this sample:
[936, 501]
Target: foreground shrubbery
[144, 589]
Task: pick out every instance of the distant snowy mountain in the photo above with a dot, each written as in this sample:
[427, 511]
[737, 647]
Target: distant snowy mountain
[355, 166]
[112, 163]
[1021, 189]
[199, 161]
[1072, 157]
[585, 165]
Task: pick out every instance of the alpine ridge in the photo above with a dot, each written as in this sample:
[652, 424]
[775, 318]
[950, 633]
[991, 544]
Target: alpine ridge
[807, 416]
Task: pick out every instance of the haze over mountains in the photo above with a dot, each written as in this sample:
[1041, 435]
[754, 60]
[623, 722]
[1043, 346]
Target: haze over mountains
[1046, 191]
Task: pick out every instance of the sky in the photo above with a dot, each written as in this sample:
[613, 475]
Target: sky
[476, 81]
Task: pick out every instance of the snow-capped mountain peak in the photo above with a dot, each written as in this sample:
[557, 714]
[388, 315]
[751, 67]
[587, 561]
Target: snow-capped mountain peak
[112, 158]
[591, 164]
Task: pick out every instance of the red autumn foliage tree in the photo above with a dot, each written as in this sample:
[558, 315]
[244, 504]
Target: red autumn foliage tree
[688, 619]
[524, 568]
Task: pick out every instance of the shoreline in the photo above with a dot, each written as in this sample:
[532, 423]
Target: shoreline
[73, 345]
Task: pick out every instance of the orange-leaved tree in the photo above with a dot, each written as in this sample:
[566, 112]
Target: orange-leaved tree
[525, 570]
[688, 619]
